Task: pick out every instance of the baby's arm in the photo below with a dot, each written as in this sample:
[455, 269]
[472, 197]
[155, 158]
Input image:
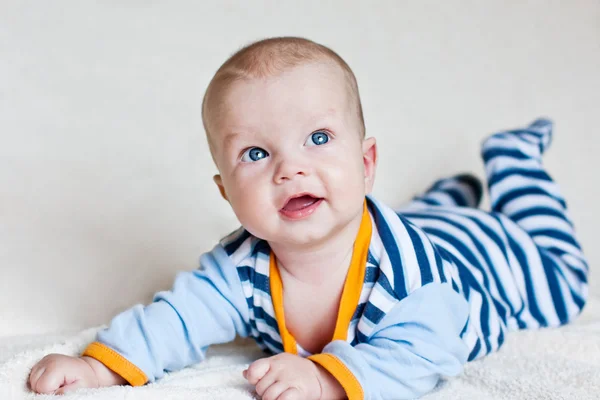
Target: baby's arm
[205, 307]
[412, 347]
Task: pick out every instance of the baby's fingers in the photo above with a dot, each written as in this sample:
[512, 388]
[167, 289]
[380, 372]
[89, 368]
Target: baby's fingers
[290, 394]
[48, 381]
[265, 383]
[257, 370]
[71, 387]
[35, 374]
[274, 391]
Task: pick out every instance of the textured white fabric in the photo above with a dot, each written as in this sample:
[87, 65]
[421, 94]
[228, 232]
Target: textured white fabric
[561, 363]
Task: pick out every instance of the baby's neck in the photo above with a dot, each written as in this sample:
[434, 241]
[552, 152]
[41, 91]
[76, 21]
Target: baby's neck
[318, 265]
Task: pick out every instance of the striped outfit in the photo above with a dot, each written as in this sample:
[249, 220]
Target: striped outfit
[429, 287]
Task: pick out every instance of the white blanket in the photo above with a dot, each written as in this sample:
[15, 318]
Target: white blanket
[545, 364]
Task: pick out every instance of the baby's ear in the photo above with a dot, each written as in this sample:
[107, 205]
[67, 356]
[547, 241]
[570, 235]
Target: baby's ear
[219, 182]
[369, 149]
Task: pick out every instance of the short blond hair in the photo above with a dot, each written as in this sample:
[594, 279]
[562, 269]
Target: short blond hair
[269, 57]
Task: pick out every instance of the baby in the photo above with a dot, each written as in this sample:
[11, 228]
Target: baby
[351, 298]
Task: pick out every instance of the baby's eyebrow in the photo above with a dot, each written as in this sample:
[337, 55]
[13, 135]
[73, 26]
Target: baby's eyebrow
[230, 138]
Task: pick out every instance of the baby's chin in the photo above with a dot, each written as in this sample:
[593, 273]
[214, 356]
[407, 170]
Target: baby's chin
[298, 242]
[307, 237]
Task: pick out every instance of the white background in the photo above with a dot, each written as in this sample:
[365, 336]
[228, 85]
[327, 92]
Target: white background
[105, 176]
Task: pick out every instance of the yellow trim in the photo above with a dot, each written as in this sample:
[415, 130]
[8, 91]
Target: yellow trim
[116, 363]
[289, 343]
[350, 295]
[355, 278]
[341, 373]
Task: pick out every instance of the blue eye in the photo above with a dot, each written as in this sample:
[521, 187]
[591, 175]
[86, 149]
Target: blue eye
[317, 138]
[254, 154]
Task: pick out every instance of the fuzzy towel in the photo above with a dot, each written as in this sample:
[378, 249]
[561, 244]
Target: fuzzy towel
[545, 364]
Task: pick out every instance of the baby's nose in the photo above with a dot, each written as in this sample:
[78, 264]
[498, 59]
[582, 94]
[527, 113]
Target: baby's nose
[289, 169]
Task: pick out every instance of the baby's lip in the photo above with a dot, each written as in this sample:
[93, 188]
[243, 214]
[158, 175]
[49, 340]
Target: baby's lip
[295, 196]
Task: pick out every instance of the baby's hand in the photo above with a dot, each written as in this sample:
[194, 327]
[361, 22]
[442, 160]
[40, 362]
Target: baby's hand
[58, 374]
[285, 377]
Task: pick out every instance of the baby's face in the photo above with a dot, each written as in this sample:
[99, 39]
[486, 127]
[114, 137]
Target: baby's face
[292, 161]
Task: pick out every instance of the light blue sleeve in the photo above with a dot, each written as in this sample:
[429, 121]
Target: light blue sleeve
[414, 345]
[206, 306]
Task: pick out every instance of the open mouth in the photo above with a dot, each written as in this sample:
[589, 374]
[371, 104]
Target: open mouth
[301, 206]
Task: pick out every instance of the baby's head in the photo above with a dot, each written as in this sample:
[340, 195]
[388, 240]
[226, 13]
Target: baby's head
[285, 127]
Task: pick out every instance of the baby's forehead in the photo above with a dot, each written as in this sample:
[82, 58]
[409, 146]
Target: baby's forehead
[309, 89]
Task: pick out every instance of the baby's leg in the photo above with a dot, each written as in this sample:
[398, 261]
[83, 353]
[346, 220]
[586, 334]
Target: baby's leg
[554, 270]
[461, 190]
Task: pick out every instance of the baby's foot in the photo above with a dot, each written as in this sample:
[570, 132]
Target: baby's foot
[474, 187]
[465, 189]
[529, 142]
[538, 132]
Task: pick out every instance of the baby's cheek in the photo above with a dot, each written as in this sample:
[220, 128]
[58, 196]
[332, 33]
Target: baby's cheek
[254, 216]
[347, 179]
